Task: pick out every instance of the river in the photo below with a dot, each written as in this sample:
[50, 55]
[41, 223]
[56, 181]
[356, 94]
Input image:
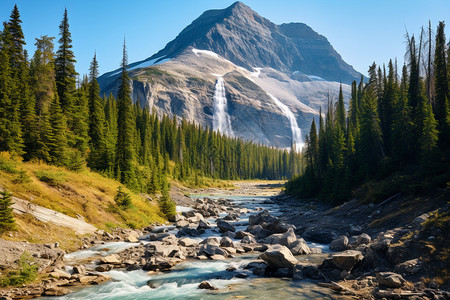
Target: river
[182, 282]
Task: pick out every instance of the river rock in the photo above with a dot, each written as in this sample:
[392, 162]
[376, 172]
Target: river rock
[241, 234]
[390, 279]
[80, 269]
[305, 270]
[339, 244]
[258, 231]
[279, 226]
[286, 239]
[412, 266]
[299, 247]
[262, 217]
[226, 242]
[182, 223]
[188, 231]
[249, 239]
[60, 274]
[229, 234]
[225, 226]
[217, 257]
[211, 241]
[160, 249]
[279, 256]
[206, 285]
[56, 291]
[363, 239]
[187, 242]
[346, 260]
[103, 268]
[203, 224]
[132, 238]
[210, 250]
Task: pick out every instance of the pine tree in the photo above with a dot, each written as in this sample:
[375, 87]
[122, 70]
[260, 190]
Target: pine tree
[441, 110]
[56, 136]
[10, 127]
[340, 111]
[166, 204]
[65, 67]
[371, 150]
[97, 143]
[7, 221]
[43, 74]
[124, 147]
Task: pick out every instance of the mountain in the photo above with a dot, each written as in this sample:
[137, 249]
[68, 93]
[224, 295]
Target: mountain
[275, 77]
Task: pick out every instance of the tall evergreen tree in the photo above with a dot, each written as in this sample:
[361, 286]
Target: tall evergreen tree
[441, 85]
[97, 159]
[124, 149]
[65, 67]
[10, 127]
[56, 135]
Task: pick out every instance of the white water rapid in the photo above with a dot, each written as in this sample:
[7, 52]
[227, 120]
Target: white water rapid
[221, 118]
[296, 132]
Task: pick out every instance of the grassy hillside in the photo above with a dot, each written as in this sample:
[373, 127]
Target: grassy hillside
[83, 194]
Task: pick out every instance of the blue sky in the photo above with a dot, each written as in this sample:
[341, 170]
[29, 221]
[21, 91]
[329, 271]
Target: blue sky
[361, 31]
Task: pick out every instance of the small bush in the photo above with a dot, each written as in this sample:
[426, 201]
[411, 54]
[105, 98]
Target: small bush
[122, 198]
[27, 272]
[22, 178]
[6, 164]
[54, 179]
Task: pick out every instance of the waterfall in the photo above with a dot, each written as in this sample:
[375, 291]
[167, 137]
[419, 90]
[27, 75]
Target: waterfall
[296, 132]
[221, 118]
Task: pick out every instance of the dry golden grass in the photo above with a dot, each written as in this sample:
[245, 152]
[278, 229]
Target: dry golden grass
[86, 194]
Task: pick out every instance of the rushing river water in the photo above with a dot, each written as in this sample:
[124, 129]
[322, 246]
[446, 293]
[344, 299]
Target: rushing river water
[182, 282]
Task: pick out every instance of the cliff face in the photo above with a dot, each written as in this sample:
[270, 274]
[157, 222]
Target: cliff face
[256, 58]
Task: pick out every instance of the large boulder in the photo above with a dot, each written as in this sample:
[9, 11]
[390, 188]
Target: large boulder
[241, 234]
[339, 244]
[211, 241]
[286, 239]
[279, 256]
[225, 226]
[209, 250]
[206, 285]
[249, 239]
[187, 242]
[258, 231]
[363, 239]
[390, 280]
[346, 260]
[203, 224]
[112, 259]
[160, 249]
[299, 247]
[262, 217]
[226, 242]
[279, 226]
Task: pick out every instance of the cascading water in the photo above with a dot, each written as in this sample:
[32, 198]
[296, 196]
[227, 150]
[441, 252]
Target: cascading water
[296, 132]
[221, 118]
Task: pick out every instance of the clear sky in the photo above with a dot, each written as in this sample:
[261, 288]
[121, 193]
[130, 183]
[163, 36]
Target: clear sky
[362, 31]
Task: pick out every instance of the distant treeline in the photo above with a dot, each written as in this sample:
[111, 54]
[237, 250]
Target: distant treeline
[45, 114]
[395, 125]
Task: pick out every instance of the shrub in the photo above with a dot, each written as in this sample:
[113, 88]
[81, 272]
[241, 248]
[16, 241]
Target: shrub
[122, 198]
[28, 271]
[52, 178]
[166, 204]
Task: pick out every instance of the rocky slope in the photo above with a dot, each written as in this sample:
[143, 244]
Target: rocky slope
[256, 58]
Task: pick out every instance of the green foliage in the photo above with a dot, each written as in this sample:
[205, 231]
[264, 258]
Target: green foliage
[27, 272]
[390, 128]
[51, 178]
[166, 204]
[7, 222]
[122, 198]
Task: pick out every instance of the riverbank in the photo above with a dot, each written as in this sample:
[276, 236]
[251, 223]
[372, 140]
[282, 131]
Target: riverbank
[231, 238]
